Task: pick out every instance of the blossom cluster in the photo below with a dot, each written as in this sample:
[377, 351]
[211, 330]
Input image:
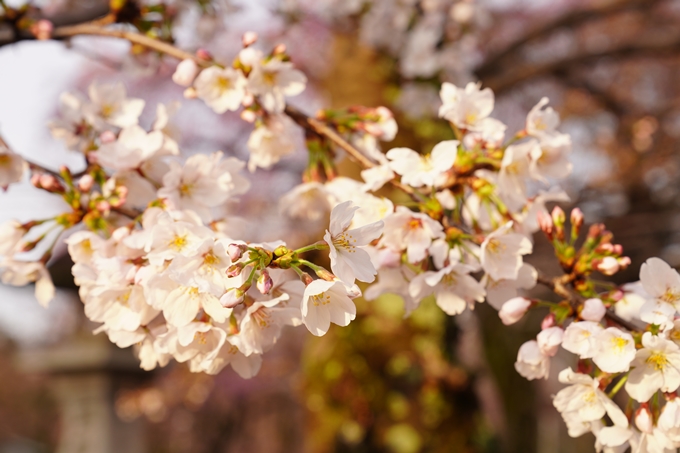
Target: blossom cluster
[157, 267]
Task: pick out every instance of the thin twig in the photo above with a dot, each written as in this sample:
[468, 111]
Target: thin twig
[32, 165]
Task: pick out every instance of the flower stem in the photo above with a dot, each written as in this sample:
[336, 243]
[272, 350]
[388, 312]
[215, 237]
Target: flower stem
[321, 245]
[618, 386]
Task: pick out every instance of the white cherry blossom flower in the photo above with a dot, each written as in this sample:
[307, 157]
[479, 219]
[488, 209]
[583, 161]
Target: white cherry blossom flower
[221, 89]
[11, 233]
[110, 106]
[593, 310]
[230, 354]
[585, 400]
[271, 141]
[12, 167]
[273, 80]
[348, 261]
[21, 273]
[553, 159]
[615, 350]
[418, 170]
[580, 338]
[502, 253]
[468, 107]
[185, 73]
[453, 287]
[394, 281]
[377, 176]
[71, 126]
[309, 200]
[515, 171]
[513, 310]
[661, 281]
[410, 231]
[656, 367]
[134, 146]
[542, 122]
[261, 325]
[628, 308]
[499, 291]
[325, 302]
[531, 362]
[550, 339]
[203, 182]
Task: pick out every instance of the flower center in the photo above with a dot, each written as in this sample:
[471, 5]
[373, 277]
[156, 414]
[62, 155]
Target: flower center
[345, 241]
[269, 78]
[200, 337]
[658, 360]
[185, 189]
[618, 344]
[671, 295]
[495, 246]
[5, 159]
[107, 110]
[414, 224]
[321, 299]
[262, 317]
[209, 259]
[178, 243]
[223, 84]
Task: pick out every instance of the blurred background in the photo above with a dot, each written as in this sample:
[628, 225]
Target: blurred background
[428, 383]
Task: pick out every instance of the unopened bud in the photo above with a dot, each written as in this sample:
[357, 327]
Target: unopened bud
[42, 29]
[235, 251]
[264, 282]
[232, 298]
[249, 38]
[618, 249]
[280, 49]
[545, 223]
[186, 72]
[248, 100]
[643, 419]
[190, 93]
[121, 197]
[558, 216]
[593, 310]
[248, 116]
[513, 310]
[50, 183]
[595, 230]
[103, 206]
[548, 321]
[624, 262]
[325, 275]
[306, 278]
[576, 218]
[235, 270]
[107, 137]
[608, 265]
[85, 183]
[203, 54]
[35, 180]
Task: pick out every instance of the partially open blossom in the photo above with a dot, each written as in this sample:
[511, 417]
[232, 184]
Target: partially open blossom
[185, 73]
[466, 107]
[531, 362]
[550, 339]
[593, 310]
[348, 260]
[513, 310]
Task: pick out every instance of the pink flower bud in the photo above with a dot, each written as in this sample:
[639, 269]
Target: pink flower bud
[384, 112]
[249, 38]
[248, 116]
[42, 29]
[643, 419]
[35, 180]
[548, 321]
[513, 310]
[624, 262]
[549, 340]
[185, 73]
[576, 217]
[235, 270]
[203, 54]
[248, 100]
[618, 249]
[107, 137]
[190, 93]
[50, 183]
[545, 223]
[235, 251]
[280, 49]
[608, 266]
[558, 216]
[85, 183]
[325, 275]
[264, 282]
[232, 298]
[103, 206]
[373, 129]
[593, 310]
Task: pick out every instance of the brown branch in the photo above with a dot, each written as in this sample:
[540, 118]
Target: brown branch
[32, 165]
[324, 130]
[659, 47]
[559, 286]
[570, 20]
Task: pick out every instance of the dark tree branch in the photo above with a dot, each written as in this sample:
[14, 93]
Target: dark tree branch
[494, 63]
